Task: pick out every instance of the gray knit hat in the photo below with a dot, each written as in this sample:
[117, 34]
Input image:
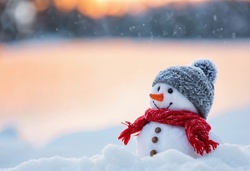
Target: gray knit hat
[195, 82]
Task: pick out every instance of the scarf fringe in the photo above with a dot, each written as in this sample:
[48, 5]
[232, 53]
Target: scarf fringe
[201, 147]
[125, 135]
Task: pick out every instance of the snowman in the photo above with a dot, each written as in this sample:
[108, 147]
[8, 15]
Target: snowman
[180, 100]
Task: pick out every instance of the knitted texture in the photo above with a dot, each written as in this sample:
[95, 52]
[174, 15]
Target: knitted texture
[196, 128]
[194, 82]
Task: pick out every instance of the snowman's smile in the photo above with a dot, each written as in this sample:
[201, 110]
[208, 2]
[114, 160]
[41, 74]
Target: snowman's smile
[155, 105]
[159, 108]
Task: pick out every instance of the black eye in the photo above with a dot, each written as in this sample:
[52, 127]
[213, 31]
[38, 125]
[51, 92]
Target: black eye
[158, 88]
[170, 90]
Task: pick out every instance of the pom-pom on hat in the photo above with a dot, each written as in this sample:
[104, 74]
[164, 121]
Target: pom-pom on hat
[195, 82]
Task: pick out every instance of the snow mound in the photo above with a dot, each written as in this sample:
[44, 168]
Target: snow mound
[225, 157]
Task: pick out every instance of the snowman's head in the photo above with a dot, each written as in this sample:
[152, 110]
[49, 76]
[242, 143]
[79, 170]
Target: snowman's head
[185, 88]
[165, 96]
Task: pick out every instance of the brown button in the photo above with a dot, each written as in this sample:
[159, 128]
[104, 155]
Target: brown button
[152, 152]
[154, 139]
[157, 130]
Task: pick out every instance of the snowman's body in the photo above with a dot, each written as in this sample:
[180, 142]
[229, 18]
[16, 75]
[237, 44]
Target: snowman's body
[156, 137]
[169, 137]
[161, 137]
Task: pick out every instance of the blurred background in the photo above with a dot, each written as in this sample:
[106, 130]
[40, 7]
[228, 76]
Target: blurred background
[163, 19]
[72, 70]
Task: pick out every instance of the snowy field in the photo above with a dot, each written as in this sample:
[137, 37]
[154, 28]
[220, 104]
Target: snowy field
[50, 97]
[100, 150]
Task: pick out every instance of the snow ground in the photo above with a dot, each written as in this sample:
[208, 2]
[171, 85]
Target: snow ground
[226, 157]
[100, 150]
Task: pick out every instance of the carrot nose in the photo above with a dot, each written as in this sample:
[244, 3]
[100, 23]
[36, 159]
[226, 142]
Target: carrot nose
[158, 97]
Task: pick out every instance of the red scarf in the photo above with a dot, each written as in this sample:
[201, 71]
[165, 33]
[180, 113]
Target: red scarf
[196, 128]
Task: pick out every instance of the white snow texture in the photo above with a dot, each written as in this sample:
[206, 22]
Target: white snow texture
[114, 157]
